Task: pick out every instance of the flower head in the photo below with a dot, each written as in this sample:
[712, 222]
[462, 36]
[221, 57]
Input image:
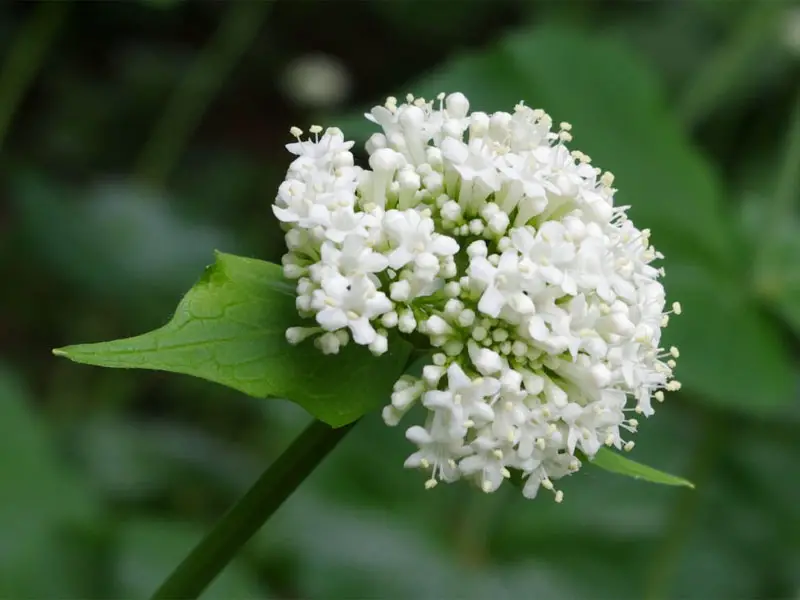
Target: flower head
[486, 234]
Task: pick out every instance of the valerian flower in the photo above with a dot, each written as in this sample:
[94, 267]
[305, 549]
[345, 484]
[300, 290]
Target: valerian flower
[488, 236]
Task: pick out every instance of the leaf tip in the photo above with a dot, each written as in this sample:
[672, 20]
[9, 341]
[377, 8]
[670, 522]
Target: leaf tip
[220, 256]
[60, 352]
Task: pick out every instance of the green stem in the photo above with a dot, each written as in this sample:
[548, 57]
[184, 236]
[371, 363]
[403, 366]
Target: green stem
[247, 516]
[25, 58]
[190, 100]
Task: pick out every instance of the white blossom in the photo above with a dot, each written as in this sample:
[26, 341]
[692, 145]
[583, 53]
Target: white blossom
[412, 237]
[485, 235]
[351, 303]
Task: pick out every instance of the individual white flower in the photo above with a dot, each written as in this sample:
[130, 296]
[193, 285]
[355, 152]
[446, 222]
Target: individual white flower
[510, 414]
[353, 257]
[466, 400]
[488, 463]
[501, 285]
[344, 221]
[316, 193]
[486, 361]
[544, 471]
[312, 154]
[475, 165]
[548, 254]
[352, 303]
[412, 237]
[438, 450]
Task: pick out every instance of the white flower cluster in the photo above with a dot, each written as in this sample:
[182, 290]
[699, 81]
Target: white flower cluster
[485, 236]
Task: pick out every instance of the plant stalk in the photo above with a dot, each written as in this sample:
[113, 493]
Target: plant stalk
[207, 560]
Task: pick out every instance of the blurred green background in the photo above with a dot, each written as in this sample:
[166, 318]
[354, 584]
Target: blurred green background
[137, 137]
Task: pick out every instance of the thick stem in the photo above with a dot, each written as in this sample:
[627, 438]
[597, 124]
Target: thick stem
[246, 517]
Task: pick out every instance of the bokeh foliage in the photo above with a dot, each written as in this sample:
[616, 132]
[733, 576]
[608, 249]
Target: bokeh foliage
[138, 137]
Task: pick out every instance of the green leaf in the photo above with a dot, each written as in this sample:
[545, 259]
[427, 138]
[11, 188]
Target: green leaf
[730, 354]
[616, 463]
[230, 329]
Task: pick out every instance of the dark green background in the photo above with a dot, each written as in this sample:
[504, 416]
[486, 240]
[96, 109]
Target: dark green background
[138, 137]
